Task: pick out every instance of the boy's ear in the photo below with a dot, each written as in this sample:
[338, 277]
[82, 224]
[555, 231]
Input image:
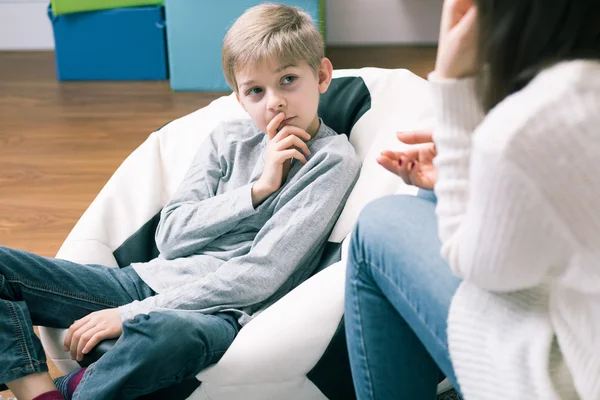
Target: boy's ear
[325, 74]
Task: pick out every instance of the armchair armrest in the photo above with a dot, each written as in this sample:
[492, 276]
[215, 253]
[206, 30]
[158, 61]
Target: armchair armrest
[287, 339]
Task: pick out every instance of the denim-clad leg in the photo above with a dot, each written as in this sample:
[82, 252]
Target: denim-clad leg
[36, 290]
[156, 351]
[398, 293]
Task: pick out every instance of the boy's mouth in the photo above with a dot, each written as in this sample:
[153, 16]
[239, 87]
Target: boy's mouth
[285, 122]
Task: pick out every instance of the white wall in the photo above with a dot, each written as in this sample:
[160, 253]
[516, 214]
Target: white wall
[24, 24]
[362, 22]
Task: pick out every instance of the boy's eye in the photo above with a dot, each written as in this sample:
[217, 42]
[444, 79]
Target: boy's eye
[288, 79]
[253, 91]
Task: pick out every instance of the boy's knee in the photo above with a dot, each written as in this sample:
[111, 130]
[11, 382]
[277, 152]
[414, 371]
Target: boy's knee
[163, 333]
[155, 326]
[3, 258]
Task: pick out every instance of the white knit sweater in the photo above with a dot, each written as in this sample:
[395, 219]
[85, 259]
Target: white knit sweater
[519, 220]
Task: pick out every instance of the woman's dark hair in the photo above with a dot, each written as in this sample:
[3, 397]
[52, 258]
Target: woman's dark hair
[519, 38]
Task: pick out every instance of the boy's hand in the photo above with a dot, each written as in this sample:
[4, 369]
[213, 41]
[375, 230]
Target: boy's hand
[414, 165]
[284, 144]
[90, 330]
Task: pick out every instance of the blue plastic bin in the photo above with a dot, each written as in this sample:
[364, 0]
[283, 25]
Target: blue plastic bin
[195, 33]
[116, 44]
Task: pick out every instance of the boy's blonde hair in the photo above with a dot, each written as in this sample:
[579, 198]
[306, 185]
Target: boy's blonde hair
[271, 30]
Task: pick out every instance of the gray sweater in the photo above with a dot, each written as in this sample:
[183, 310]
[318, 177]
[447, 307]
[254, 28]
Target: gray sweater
[219, 253]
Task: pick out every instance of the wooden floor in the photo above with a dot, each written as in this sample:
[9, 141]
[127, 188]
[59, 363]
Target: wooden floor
[60, 142]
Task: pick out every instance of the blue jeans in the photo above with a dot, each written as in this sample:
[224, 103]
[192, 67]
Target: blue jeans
[154, 351]
[398, 293]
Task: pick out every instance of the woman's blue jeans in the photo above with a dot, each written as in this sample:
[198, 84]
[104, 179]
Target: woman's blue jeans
[154, 351]
[398, 293]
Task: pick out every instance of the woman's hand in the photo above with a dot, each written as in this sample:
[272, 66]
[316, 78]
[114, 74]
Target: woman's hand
[457, 49]
[90, 330]
[414, 165]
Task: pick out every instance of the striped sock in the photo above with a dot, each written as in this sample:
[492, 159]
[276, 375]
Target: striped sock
[68, 383]
[53, 395]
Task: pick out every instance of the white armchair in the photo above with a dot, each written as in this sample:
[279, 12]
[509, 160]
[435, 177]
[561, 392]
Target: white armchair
[294, 350]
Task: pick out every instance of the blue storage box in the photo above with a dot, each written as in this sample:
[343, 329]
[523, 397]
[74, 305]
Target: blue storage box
[195, 33]
[116, 44]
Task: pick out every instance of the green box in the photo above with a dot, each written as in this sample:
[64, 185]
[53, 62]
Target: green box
[60, 7]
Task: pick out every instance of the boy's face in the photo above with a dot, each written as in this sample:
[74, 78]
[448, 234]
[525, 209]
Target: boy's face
[271, 88]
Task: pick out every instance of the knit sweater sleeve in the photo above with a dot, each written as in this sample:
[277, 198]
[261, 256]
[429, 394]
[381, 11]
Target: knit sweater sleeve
[195, 215]
[295, 234]
[497, 229]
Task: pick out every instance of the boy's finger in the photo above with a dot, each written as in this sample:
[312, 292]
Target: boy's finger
[290, 142]
[77, 337]
[85, 340]
[274, 124]
[94, 340]
[67, 341]
[72, 329]
[292, 153]
[292, 130]
[415, 137]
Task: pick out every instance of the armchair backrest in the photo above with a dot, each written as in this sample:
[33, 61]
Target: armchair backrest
[369, 105]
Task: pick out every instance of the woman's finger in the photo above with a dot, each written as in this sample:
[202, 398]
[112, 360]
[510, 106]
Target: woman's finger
[409, 153]
[457, 50]
[413, 168]
[393, 155]
[415, 137]
[391, 164]
[398, 167]
[467, 26]
[452, 13]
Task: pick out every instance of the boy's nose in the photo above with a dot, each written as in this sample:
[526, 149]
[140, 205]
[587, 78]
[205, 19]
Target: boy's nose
[277, 104]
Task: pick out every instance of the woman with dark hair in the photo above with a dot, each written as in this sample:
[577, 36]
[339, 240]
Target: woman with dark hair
[511, 307]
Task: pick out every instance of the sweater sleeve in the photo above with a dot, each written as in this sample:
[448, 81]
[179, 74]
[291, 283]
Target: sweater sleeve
[497, 229]
[195, 216]
[292, 237]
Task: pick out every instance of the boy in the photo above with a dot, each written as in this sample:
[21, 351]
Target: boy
[247, 224]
